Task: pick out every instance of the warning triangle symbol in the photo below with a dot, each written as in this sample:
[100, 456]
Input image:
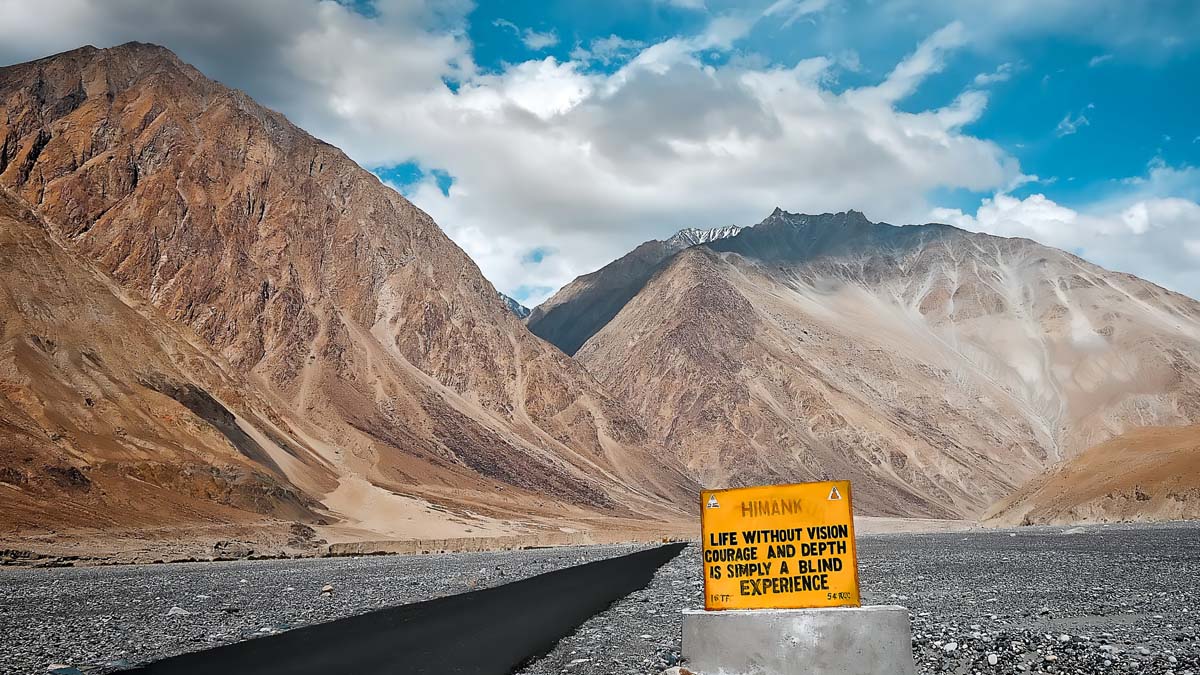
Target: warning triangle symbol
[712, 502]
[834, 495]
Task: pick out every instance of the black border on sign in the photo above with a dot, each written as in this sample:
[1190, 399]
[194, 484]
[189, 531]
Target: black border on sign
[705, 494]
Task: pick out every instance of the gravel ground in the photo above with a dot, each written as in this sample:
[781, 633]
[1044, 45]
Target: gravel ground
[100, 619]
[1116, 599]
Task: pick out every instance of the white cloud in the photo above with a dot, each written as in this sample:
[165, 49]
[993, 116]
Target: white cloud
[607, 50]
[1138, 231]
[929, 58]
[1002, 73]
[794, 10]
[1097, 60]
[530, 37]
[1070, 125]
[550, 153]
[848, 60]
[1133, 30]
[539, 41]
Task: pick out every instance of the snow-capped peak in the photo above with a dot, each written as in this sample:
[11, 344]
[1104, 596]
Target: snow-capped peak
[513, 306]
[690, 236]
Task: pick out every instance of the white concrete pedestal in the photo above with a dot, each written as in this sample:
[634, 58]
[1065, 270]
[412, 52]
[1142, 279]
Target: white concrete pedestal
[835, 641]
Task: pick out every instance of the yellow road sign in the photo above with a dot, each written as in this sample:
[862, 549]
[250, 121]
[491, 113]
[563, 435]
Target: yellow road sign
[779, 547]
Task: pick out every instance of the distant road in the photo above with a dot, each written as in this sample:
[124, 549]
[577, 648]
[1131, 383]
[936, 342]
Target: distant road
[488, 631]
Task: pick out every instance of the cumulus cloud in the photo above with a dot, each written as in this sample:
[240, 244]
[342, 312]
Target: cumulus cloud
[1137, 231]
[557, 155]
[550, 153]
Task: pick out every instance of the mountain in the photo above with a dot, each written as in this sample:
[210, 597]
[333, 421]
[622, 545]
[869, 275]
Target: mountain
[1146, 474]
[111, 415]
[518, 310]
[385, 382]
[936, 368]
[691, 236]
[584, 306]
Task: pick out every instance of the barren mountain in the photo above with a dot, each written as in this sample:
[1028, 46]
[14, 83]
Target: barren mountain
[585, 305]
[518, 310]
[1146, 474]
[393, 364]
[937, 368]
[111, 416]
[690, 236]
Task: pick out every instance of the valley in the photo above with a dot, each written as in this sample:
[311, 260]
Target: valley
[220, 329]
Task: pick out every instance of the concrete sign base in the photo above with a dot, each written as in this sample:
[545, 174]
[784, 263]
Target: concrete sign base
[833, 641]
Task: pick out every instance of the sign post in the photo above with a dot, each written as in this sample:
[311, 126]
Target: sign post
[781, 592]
[779, 547]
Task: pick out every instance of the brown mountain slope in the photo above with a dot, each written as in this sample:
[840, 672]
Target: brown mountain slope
[331, 292]
[584, 306]
[109, 416]
[1146, 474]
[938, 369]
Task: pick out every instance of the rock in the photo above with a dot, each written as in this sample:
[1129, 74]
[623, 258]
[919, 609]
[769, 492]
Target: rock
[327, 590]
[178, 611]
[950, 646]
[993, 659]
[231, 550]
[677, 670]
[303, 536]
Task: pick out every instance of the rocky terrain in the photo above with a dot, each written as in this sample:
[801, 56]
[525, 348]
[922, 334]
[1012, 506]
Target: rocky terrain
[213, 319]
[588, 303]
[1104, 599]
[277, 334]
[1113, 598]
[100, 620]
[1145, 474]
[84, 374]
[518, 310]
[936, 368]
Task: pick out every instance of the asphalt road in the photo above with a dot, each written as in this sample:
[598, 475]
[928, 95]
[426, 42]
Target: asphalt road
[105, 619]
[488, 631]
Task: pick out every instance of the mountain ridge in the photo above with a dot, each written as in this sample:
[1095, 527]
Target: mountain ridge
[398, 363]
[596, 297]
[946, 367]
[518, 310]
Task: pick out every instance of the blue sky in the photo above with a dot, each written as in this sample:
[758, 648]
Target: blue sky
[1140, 100]
[549, 138]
